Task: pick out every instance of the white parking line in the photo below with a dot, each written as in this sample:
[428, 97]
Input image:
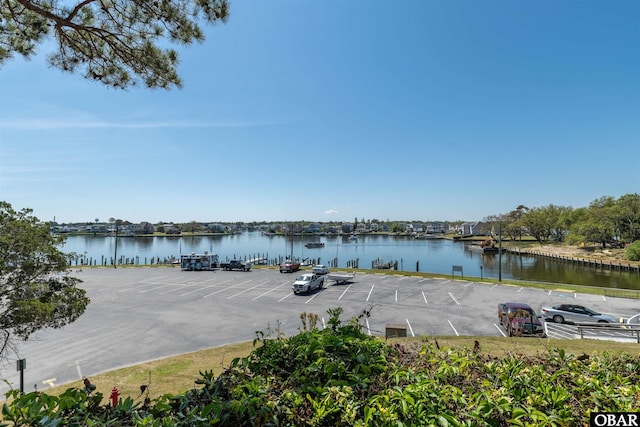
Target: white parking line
[152, 279]
[396, 295]
[224, 289]
[248, 289]
[425, 297]
[520, 290]
[494, 286]
[454, 329]
[152, 289]
[604, 298]
[558, 330]
[500, 330]
[410, 328]
[182, 286]
[179, 286]
[195, 290]
[366, 319]
[562, 335]
[345, 291]
[309, 300]
[270, 290]
[454, 299]
[286, 296]
[370, 291]
[203, 282]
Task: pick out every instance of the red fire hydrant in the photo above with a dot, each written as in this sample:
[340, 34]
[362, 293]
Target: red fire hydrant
[115, 393]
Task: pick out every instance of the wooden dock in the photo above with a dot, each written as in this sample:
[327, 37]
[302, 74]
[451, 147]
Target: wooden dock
[628, 266]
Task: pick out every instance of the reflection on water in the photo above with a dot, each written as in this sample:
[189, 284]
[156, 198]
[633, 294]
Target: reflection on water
[433, 256]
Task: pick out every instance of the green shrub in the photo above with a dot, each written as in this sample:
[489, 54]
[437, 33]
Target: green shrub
[632, 252]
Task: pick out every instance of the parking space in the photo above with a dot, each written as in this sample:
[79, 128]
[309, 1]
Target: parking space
[142, 314]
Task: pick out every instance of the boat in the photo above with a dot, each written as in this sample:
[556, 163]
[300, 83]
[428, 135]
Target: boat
[487, 250]
[488, 246]
[425, 236]
[382, 264]
[353, 238]
[341, 277]
[314, 244]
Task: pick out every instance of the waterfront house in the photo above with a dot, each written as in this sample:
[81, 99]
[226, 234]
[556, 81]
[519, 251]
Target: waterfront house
[172, 229]
[347, 227]
[436, 227]
[478, 228]
[144, 228]
[312, 228]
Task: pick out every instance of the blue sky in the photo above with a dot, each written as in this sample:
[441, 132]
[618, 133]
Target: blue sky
[335, 110]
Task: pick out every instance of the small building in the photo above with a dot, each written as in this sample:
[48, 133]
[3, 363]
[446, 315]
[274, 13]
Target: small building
[216, 228]
[312, 228]
[144, 228]
[436, 227]
[472, 228]
[172, 229]
[362, 228]
[347, 227]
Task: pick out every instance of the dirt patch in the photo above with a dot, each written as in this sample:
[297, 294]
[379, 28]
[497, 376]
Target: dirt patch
[591, 253]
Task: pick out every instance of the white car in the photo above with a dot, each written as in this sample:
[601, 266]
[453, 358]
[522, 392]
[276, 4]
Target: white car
[320, 269]
[575, 313]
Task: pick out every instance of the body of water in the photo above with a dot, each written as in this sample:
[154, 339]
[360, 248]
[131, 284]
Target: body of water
[430, 255]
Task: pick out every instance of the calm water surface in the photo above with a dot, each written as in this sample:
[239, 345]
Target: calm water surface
[433, 256]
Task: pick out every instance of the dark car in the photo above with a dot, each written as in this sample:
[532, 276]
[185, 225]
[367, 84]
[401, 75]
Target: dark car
[519, 319]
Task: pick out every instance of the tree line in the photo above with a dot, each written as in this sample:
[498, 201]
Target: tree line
[606, 221]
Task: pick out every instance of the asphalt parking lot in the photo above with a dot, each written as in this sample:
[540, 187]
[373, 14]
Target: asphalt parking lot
[141, 314]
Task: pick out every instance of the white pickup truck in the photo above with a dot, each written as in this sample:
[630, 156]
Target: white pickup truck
[308, 282]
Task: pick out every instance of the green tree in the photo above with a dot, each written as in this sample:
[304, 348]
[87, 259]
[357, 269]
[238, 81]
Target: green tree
[560, 217]
[191, 227]
[513, 219]
[546, 222]
[576, 219]
[36, 290]
[626, 217]
[598, 225]
[607, 220]
[115, 42]
[395, 227]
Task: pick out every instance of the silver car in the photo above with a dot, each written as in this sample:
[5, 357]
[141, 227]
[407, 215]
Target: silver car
[575, 313]
[320, 269]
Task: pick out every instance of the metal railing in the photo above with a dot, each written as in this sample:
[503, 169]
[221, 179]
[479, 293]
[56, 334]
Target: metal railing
[619, 328]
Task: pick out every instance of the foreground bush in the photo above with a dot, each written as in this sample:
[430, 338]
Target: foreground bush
[632, 252]
[341, 377]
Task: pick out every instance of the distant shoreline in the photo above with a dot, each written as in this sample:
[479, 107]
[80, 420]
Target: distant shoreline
[552, 250]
